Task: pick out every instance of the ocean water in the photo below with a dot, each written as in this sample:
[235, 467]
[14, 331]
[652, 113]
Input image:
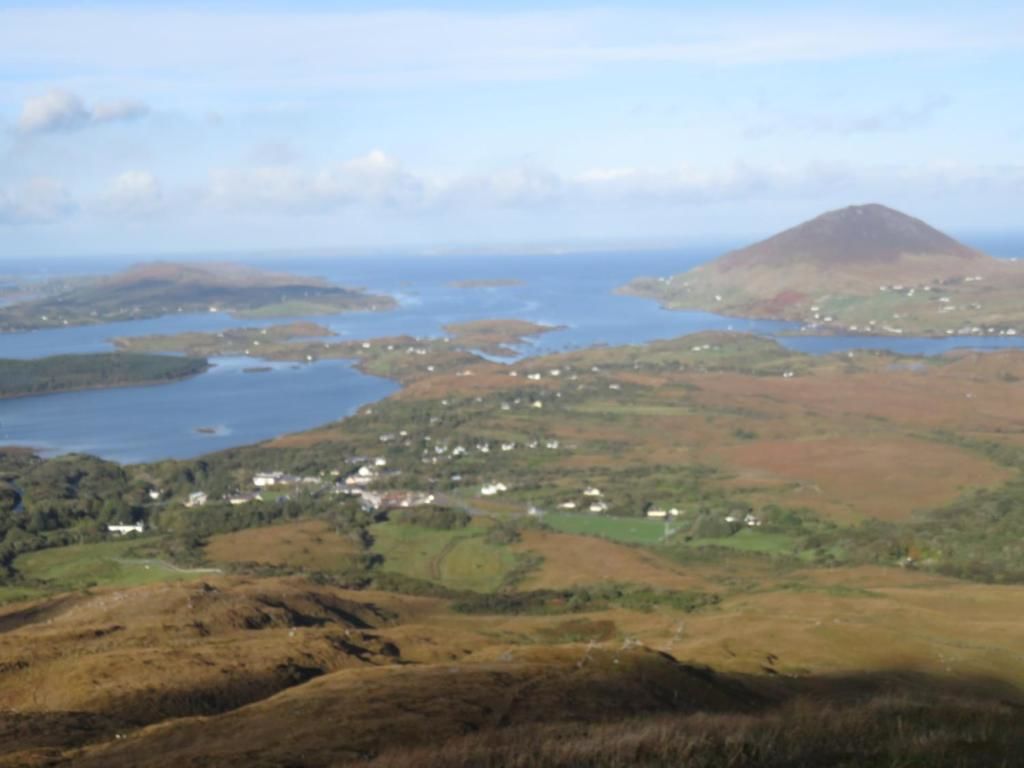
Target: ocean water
[571, 290]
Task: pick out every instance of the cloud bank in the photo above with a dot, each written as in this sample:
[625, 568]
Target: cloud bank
[60, 110]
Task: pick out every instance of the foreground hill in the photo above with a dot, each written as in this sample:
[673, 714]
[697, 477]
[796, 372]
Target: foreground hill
[284, 672]
[865, 268]
[150, 290]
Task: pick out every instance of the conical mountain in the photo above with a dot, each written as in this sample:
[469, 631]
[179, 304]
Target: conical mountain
[856, 238]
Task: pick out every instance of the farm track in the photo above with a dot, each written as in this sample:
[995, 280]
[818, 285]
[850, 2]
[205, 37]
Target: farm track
[435, 563]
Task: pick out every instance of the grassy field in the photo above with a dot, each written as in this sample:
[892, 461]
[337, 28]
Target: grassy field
[458, 559]
[105, 564]
[307, 544]
[629, 530]
[18, 594]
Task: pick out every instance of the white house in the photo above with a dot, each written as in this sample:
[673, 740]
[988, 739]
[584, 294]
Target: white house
[567, 505]
[266, 479]
[657, 513]
[196, 499]
[154, 494]
[598, 506]
[238, 499]
[592, 491]
[122, 530]
[493, 489]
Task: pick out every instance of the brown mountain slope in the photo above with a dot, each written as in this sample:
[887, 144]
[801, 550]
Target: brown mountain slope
[855, 237]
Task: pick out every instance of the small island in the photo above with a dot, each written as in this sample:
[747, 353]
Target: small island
[402, 358]
[164, 288]
[496, 337]
[65, 373]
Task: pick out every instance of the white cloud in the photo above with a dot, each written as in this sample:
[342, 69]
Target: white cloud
[373, 179]
[513, 187]
[115, 111]
[60, 110]
[133, 193]
[380, 181]
[37, 200]
[57, 110]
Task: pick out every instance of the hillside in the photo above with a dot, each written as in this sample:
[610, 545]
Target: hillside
[861, 269]
[160, 288]
[284, 672]
[308, 629]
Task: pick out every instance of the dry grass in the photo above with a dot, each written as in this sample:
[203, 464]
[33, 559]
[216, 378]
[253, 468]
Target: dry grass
[887, 477]
[308, 544]
[887, 730]
[570, 560]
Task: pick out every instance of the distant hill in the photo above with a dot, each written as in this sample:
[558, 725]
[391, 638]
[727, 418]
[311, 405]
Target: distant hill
[218, 273]
[859, 238]
[159, 288]
[840, 265]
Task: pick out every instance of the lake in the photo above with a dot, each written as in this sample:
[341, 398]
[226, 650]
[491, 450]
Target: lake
[135, 424]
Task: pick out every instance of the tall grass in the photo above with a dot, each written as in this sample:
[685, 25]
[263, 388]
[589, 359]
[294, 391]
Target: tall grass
[887, 730]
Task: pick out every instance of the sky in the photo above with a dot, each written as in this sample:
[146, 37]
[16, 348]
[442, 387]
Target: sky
[139, 128]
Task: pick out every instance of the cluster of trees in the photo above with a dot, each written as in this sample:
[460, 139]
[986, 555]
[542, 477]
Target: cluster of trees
[62, 501]
[583, 599]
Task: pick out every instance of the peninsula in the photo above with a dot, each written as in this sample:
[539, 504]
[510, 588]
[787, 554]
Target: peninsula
[163, 288]
[864, 269]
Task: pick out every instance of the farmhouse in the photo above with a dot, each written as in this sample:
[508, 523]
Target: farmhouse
[121, 529]
[658, 513]
[267, 479]
[196, 499]
[243, 498]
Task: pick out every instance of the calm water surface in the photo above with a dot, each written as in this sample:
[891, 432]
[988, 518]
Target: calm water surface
[575, 291]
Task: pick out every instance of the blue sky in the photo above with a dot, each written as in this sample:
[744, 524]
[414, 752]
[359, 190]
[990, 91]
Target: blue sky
[128, 127]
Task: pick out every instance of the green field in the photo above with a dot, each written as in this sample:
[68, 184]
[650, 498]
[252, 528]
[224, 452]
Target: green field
[17, 594]
[458, 559]
[106, 564]
[629, 530]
